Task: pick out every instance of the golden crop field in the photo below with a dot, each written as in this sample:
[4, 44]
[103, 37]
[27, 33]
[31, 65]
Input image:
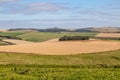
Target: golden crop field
[55, 47]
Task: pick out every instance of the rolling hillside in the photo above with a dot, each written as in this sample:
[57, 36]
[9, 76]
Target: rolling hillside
[44, 36]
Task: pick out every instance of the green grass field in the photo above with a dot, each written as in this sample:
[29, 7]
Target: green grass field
[94, 66]
[12, 33]
[57, 73]
[43, 36]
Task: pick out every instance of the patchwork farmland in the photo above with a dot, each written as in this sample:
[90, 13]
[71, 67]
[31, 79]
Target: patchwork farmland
[39, 55]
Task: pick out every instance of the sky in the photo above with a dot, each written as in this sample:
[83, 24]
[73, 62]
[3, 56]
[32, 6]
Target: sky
[59, 13]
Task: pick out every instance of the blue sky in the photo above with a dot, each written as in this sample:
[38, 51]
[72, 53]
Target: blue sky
[59, 13]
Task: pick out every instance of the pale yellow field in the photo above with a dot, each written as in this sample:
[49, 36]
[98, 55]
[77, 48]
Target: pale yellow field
[18, 42]
[54, 47]
[111, 35]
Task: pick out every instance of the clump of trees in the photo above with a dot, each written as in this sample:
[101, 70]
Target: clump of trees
[67, 38]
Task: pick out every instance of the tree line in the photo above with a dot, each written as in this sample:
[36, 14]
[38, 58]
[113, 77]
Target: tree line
[66, 38]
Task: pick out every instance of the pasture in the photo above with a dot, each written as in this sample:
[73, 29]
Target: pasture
[44, 36]
[12, 33]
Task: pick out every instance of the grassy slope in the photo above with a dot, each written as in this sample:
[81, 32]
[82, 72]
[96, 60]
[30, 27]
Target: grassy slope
[107, 58]
[68, 67]
[42, 36]
[12, 33]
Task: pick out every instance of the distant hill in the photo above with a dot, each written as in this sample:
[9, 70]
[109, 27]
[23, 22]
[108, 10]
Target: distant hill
[54, 30]
[100, 29]
[41, 30]
[83, 30]
[22, 29]
[107, 29]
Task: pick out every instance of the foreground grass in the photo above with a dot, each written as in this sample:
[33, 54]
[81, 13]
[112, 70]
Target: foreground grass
[95, 66]
[57, 73]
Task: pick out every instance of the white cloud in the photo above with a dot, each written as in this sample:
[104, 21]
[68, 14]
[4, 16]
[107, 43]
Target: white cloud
[34, 8]
[93, 12]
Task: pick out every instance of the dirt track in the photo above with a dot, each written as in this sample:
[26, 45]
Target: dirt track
[54, 47]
